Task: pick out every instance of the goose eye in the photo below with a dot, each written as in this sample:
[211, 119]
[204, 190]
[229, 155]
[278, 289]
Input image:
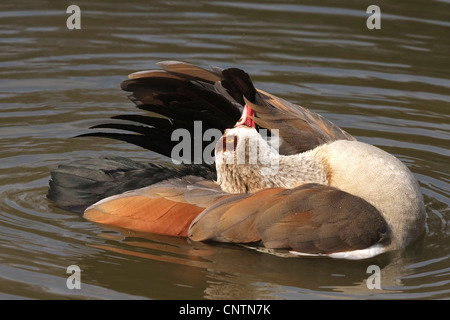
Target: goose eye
[229, 142]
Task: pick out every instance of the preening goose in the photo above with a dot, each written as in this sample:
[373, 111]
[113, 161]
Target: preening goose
[284, 177]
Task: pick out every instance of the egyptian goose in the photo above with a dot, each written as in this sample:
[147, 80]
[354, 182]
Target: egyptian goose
[317, 192]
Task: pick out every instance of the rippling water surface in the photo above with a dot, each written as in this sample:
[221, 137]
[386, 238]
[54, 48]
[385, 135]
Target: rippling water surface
[388, 87]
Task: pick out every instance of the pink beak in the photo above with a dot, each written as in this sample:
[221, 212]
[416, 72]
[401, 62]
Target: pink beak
[246, 119]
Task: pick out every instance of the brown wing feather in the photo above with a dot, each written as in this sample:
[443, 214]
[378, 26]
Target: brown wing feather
[311, 219]
[183, 68]
[299, 128]
[232, 219]
[165, 208]
[321, 219]
[153, 74]
[185, 93]
[145, 214]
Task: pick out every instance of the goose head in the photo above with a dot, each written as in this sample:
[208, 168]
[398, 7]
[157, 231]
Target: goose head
[243, 157]
[247, 160]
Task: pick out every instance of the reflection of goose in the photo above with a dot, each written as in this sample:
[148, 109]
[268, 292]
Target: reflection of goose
[319, 192]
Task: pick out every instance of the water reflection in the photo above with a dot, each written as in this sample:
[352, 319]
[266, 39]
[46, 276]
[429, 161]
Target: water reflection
[220, 271]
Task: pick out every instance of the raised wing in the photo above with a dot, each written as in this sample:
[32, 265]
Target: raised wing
[182, 94]
[299, 128]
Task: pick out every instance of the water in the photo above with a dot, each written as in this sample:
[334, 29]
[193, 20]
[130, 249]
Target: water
[388, 87]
